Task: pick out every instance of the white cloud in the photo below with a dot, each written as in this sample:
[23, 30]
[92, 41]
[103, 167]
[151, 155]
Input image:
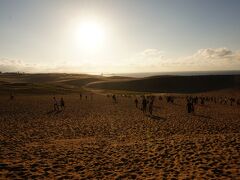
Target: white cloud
[149, 60]
[219, 53]
[204, 59]
[9, 65]
[219, 58]
[152, 53]
[148, 57]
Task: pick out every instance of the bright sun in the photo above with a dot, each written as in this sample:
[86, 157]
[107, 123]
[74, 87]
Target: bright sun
[90, 35]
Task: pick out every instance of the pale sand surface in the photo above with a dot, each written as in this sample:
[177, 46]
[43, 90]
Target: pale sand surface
[101, 140]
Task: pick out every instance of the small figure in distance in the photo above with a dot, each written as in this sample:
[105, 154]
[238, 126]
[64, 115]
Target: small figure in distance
[196, 100]
[62, 104]
[190, 107]
[80, 95]
[160, 98]
[232, 100]
[136, 102]
[144, 104]
[55, 104]
[150, 106]
[202, 101]
[114, 98]
[238, 102]
[225, 101]
[215, 100]
[11, 96]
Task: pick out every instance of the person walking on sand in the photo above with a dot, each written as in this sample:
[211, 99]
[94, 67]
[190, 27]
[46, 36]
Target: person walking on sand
[238, 102]
[136, 102]
[11, 96]
[150, 107]
[55, 104]
[114, 98]
[144, 104]
[202, 101]
[190, 106]
[232, 100]
[80, 96]
[62, 104]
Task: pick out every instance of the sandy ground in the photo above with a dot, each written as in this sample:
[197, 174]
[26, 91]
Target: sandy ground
[97, 139]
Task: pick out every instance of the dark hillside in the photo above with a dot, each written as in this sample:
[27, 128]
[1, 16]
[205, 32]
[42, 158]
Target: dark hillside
[173, 84]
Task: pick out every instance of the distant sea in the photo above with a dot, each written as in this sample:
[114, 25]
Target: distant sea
[187, 73]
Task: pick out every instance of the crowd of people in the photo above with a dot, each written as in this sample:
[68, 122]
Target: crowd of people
[58, 105]
[147, 102]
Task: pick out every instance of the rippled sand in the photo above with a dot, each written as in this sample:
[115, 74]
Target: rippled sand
[97, 139]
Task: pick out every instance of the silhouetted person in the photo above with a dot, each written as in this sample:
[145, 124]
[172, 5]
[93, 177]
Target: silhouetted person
[238, 102]
[86, 97]
[80, 96]
[202, 101]
[231, 101]
[196, 100]
[170, 99]
[136, 102]
[144, 105]
[114, 98]
[55, 104]
[215, 100]
[190, 107]
[11, 96]
[150, 107]
[225, 101]
[62, 104]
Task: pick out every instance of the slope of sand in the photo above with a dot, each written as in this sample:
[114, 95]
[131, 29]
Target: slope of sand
[48, 83]
[97, 139]
[172, 84]
[44, 83]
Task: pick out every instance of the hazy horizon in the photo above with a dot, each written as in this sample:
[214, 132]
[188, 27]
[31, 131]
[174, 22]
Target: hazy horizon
[115, 37]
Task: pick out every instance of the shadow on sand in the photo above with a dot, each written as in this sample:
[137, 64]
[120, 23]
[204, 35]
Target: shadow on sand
[203, 116]
[53, 112]
[156, 117]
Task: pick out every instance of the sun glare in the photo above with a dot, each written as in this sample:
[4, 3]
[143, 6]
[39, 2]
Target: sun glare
[90, 35]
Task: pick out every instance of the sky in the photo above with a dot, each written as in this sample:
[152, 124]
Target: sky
[119, 36]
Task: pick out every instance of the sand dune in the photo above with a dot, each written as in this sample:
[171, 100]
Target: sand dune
[44, 83]
[97, 139]
[173, 84]
[72, 83]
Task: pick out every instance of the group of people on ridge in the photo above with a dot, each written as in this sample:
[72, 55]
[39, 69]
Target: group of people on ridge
[149, 100]
[56, 104]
